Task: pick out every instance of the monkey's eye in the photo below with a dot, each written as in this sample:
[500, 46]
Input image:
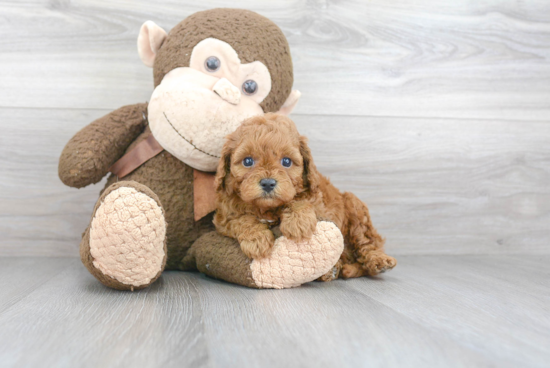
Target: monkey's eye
[250, 87]
[248, 162]
[286, 162]
[212, 64]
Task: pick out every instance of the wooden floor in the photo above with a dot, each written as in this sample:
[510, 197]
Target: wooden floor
[438, 311]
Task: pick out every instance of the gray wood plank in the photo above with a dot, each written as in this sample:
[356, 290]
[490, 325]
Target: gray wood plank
[497, 305]
[72, 320]
[432, 185]
[21, 276]
[451, 311]
[484, 59]
[320, 325]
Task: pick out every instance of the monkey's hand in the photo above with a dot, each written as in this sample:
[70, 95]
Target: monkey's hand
[298, 221]
[87, 157]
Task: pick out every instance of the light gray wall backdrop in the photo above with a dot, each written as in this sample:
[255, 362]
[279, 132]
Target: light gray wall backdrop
[435, 113]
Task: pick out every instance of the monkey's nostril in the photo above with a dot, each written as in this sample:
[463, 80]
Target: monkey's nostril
[268, 184]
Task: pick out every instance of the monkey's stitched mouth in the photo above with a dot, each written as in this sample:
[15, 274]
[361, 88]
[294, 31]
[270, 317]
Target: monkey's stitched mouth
[187, 140]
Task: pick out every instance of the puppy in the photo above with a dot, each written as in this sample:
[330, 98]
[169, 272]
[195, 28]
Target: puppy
[266, 177]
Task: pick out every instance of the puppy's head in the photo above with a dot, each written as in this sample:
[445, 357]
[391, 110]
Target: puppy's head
[266, 163]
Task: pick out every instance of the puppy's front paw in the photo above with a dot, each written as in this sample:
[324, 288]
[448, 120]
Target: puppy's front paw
[298, 225]
[258, 246]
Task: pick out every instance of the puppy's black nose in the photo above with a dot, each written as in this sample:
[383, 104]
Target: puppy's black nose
[268, 184]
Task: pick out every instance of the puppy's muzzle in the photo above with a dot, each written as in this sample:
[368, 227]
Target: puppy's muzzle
[268, 184]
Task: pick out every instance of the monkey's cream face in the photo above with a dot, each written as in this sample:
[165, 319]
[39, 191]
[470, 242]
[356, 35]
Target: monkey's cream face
[195, 107]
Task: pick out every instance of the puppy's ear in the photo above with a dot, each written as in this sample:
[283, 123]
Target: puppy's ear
[310, 175]
[224, 169]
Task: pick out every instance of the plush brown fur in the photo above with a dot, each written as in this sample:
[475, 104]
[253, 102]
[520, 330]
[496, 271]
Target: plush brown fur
[301, 196]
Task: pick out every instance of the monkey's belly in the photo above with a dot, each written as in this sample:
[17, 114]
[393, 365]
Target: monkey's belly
[172, 181]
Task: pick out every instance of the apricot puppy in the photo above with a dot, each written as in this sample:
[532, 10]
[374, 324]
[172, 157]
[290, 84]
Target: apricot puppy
[266, 177]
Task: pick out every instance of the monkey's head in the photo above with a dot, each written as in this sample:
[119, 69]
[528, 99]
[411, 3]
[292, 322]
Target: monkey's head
[212, 71]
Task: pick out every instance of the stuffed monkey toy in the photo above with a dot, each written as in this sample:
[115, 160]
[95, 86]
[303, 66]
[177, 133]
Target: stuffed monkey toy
[212, 71]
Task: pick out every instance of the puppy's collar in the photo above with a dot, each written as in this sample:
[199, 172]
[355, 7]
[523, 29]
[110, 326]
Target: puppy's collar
[269, 219]
[266, 221]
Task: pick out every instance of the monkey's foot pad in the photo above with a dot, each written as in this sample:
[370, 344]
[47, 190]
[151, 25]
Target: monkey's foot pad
[127, 237]
[292, 264]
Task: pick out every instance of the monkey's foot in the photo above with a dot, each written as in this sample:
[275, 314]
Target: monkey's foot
[125, 245]
[292, 263]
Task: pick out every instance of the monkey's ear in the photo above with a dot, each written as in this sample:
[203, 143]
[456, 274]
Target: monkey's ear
[149, 41]
[290, 102]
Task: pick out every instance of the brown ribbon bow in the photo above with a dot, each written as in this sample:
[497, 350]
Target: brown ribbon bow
[204, 192]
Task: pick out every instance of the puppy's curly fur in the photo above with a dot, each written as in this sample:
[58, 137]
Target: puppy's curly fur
[301, 196]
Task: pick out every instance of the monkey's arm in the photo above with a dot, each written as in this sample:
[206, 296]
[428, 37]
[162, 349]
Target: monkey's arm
[87, 157]
[255, 238]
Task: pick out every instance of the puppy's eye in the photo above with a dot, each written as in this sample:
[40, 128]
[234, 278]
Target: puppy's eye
[250, 87]
[212, 64]
[286, 162]
[248, 162]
